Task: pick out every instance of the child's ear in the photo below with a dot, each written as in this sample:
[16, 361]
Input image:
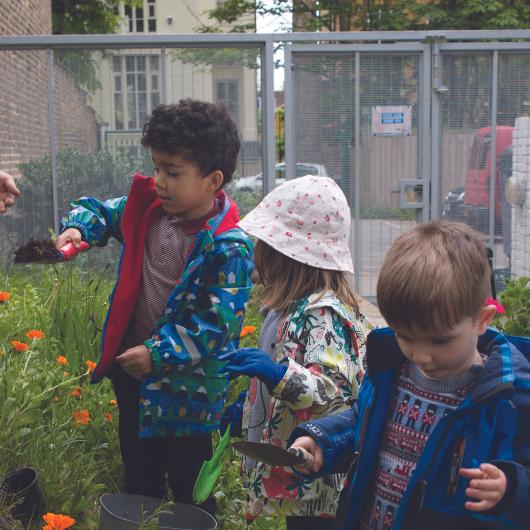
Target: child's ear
[486, 315]
[215, 180]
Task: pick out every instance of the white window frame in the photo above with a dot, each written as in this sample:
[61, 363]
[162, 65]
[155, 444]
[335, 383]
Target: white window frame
[235, 114]
[131, 21]
[150, 71]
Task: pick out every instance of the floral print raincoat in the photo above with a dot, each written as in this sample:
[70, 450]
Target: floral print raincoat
[324, 345]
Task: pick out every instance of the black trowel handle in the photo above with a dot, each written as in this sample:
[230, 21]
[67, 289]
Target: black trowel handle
[306, 456]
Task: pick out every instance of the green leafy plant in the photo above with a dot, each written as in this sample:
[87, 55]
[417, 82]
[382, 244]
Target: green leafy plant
[516, 301]
[152, 521]
[53, 419]
[101, 174]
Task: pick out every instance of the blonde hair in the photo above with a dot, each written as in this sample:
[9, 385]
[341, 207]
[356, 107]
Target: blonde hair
[284, 281]
[433, 277]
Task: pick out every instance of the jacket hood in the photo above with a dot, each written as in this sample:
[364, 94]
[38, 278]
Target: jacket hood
[507, 365]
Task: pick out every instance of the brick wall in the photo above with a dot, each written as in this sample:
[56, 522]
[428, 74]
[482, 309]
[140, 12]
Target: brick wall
[25, 133]
[521, 212]
[25, 17]
[25, 127]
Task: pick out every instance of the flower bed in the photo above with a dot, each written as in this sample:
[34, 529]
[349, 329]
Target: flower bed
[51, 418]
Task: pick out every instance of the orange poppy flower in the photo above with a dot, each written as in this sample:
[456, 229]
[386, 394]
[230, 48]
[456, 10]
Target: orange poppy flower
[19, 346]
[56, 398]
[61, 359]
[108, 416]
[91, 365]
[82, 417]
[57, 522]
[113, 402]
[4, 296]
[247, 330]
[76, 392]
[34, 334]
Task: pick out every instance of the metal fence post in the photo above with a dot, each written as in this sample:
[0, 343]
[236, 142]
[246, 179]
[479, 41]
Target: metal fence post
[436, 94]
[493, 161]
[53, 144]
[268, 128]
[290, 115]
[357, 173]
[163, 74]
[424, 135]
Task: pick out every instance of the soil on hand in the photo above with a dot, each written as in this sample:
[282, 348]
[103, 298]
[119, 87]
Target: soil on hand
[42, 250]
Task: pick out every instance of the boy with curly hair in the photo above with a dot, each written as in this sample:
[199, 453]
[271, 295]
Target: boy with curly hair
[179, 299]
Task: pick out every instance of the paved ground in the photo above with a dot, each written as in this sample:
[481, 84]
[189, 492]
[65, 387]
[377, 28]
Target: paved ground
[377, 236]
[371, 312]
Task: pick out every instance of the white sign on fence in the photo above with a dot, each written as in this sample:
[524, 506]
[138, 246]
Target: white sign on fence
[391, 120]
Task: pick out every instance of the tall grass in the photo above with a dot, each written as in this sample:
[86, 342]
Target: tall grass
[76, 463]
[39, 395]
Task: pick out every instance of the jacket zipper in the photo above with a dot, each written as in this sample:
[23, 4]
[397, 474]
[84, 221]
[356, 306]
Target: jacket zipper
[422, 486]
[362, 434]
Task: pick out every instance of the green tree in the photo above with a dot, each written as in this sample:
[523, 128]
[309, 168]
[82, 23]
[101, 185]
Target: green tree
[81, 17]
[347, 15]
[472, 14]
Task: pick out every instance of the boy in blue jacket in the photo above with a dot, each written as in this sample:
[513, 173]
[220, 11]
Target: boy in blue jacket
[179, 299]
[439, 437]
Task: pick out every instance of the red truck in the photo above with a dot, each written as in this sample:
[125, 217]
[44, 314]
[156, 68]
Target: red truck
[470, 203]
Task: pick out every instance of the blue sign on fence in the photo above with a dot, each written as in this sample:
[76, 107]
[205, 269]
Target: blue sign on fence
[391, 120]
[392, 117]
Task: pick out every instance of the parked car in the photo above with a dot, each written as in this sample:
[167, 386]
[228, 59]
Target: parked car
[254, 183]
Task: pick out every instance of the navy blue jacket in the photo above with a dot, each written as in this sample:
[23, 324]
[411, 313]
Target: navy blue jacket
[492, 423]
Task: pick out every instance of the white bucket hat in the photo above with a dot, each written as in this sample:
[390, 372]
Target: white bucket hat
[307, 219]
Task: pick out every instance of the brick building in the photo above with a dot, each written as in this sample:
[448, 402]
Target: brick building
[25, 131]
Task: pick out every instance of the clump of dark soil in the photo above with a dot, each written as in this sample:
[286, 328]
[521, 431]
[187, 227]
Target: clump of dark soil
[38, 251]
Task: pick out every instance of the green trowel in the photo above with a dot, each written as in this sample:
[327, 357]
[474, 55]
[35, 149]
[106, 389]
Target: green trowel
[211, 469]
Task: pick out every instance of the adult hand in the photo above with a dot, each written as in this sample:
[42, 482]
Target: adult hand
[8, 191]
[233, 416]
[136, 361]
[254, 363]
[70, 235]
[487, 485]
[307, 443]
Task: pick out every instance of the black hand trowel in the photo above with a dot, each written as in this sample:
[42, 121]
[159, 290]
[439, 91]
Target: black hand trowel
[274, 455]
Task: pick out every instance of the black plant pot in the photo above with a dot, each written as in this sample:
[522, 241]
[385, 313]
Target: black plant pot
[123, 512]
[22, 491]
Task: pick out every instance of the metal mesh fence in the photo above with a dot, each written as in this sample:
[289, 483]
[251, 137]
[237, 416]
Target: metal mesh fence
[324, 107]
[25, 136]
[86, 106]
[325, 142]
[487, 94]
[386, 81]
[92, 121]
[466, 133]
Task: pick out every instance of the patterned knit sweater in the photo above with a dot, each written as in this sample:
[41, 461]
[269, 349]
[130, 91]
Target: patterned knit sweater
[419, 404]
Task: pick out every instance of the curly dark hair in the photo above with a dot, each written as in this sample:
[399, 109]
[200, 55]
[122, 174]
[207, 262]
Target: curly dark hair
[200, 132]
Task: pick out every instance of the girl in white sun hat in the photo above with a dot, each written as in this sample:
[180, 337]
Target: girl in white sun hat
[309, 361]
